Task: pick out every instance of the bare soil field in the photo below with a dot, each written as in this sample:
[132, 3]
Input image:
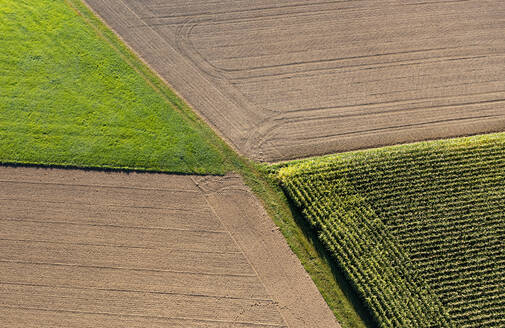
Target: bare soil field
[95, 249]
[296, 78]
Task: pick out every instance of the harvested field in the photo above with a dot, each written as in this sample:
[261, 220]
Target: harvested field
[300, 78]
[95, 249]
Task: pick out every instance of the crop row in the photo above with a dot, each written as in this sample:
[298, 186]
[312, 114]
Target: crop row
[402, 302]
[414, 227]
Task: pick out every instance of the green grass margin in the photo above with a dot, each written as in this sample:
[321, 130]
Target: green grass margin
[347, 307]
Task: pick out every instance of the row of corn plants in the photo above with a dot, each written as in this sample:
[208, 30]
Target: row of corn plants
[418, 229]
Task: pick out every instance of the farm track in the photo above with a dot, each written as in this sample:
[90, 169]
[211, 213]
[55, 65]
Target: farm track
[87, 248]
[297, 78]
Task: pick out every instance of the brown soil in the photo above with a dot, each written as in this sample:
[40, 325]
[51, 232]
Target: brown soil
[95, 249]
[296, 78]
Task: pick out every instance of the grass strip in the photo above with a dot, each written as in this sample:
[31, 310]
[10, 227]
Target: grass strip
[73, 95]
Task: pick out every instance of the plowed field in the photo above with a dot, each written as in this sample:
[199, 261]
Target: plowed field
[94, 249]
[296, 78]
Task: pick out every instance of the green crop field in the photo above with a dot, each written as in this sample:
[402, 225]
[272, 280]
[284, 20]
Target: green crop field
[71, 94]
[418, 229]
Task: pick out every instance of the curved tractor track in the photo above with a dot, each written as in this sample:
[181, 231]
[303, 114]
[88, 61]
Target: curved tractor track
[295, 78]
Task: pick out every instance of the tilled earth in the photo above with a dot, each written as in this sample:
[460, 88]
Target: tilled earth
[294, 78]
[95, 249]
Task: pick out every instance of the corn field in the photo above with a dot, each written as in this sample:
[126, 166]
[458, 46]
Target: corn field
[418, 229]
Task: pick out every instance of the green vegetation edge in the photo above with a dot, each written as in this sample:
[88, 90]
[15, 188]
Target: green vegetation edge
[103, 31]
[330, 281]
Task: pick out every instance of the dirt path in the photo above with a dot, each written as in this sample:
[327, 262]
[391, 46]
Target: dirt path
[296, 78]
[94, 249]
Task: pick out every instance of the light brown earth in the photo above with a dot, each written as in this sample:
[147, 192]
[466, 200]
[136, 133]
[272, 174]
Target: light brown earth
[292, 78]
[96, 249]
